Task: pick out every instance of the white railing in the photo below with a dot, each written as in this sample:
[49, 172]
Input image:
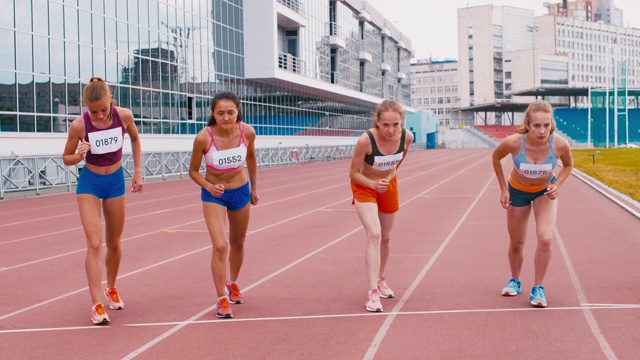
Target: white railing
[38, 173]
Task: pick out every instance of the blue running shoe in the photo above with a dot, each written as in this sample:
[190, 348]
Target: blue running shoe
[538, 297]
[512, 288]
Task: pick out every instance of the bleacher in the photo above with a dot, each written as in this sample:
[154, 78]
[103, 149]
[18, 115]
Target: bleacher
[497, 132]
[573, 122]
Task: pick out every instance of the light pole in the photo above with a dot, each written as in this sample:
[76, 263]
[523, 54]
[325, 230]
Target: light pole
[533, 29]
[589, 115]
[615, 99]
[607, 100]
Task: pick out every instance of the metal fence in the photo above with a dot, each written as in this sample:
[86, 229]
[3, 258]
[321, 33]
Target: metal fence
[38, 173]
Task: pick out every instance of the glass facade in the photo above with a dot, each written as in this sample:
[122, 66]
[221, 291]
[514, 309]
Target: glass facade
[164, 60]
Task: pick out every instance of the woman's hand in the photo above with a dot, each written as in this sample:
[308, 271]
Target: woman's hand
[552, 191]
[505, 199]
[83, 148]
[254, 197]
[216, 189]
[381, 185]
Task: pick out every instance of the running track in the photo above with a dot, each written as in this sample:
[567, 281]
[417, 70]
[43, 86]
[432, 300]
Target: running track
[304, 276]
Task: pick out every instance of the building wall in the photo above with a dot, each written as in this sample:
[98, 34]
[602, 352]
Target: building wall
[165, 63]
[435, 88]
[557, 51]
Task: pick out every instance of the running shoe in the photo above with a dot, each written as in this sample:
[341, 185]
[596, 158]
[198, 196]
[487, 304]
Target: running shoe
[373, 303]
[538, 297]
[223, 310]
[115, 303]
[512, 288]
[99, 315]
[384, 290]
[235, 297]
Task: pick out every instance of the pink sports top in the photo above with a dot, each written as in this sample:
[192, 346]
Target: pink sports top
[226, 160]
[106, 144]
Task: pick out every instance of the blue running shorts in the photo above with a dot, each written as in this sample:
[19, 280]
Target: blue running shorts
[101, 186]
[232, 199]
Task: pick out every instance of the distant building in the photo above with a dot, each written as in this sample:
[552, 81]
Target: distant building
[587, 10]
[504, 49]
[434, 88]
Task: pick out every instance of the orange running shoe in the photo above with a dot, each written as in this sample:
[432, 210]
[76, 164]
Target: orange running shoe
[115, 303]
[235, 297]
[223, 310]
[99, 315]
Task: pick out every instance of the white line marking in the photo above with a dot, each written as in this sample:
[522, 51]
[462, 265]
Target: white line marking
[591, 320]
[375, 344]
[103, 282]
[84, 249]
[153, 265]
[580, 175]
[331, 316]
[629, 306]
[180, 325]
[102, 224]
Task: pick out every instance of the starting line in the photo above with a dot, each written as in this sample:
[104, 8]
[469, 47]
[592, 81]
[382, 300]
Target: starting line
[308, 317]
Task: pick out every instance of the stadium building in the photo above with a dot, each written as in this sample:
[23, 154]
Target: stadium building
[309, 74]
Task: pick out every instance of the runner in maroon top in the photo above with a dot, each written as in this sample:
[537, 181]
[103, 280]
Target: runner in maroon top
[97, 137]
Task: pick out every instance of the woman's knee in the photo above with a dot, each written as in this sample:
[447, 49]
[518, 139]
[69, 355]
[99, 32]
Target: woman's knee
[94, 247]
[516, 246]
[236, 244]
[114, 246]
[220, 250]
[374, 237]
[545, 241]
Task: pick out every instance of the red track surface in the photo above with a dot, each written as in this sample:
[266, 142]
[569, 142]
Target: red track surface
[304, 277]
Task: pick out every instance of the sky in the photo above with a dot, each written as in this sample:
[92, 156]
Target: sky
[431, 25]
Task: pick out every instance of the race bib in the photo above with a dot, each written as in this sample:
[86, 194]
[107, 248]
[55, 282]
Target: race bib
[535, 170]
[228, 159]
[106, 141]
[386, 162]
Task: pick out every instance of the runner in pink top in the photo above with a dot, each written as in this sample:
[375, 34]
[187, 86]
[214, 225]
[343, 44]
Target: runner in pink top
[226, 145]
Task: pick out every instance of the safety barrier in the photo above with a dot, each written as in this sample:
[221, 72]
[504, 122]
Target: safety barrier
[39, 173]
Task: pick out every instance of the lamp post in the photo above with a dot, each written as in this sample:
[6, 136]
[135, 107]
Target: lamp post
[607, 100]
[533, 29]
[615, 99]
[589, 115]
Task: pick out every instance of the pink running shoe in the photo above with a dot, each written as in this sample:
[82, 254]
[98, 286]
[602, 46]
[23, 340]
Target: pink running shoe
[235, 297]
[115, 303]
[223, 310]
[99, 315]
[373, 301]
[383, 288]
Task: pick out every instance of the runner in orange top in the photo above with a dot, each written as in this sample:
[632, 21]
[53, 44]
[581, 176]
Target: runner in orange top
[378, 153]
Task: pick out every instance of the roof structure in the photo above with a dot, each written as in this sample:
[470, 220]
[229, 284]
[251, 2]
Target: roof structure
[508, 106]
[567, 91]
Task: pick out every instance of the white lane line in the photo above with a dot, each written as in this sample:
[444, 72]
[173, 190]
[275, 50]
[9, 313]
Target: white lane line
[84, 249]
[102, 223]
[224, 322]
[103, 282]
[582, 176]
[591, 320]
[161, 262]
[629, 306]
[205, 311]
[382, 332]
[190, 320]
